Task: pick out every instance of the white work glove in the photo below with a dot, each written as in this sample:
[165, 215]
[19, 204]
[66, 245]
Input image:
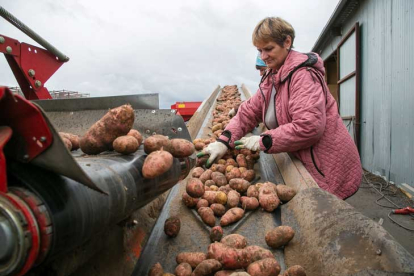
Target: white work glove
[251, 143]
[232, 112]
[216, 150]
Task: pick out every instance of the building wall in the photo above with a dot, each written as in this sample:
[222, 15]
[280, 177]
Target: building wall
[387, 86]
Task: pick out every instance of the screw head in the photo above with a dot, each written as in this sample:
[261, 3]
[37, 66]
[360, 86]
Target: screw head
[1, 40]
[26, 156]
[148, 131]
[9, 49]
[38, 83]
[154, 133]
[379, 252]
[43, 139]
[179, 129]
[153, 111]
[172, 110]
[31, 72]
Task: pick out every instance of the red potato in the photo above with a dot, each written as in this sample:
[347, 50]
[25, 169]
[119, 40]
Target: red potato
[230, 258]
[183, 269]
[192, 258]
[250, 162]
[295, 270]
[233, 199]
[231, 216]
[265, 267]
[215, 197]
[225, 273]
[195, 187]
[229, 168]
[216, 233]
[206, 175]
[157, 163]
[155, 142]
[279, 236]
[74, 139]
[239, 184]
[268, 198]
[135, 133]
[189, 201]
[180, 148]
[156, 270]
[219, 178]
[252, 191]
[245, 152]
[218, 209]
[234, 241]
[209, 183]
[234, 173]
[249, 175]
[285, 193]
[125, 144]
[199, 145]
[231, 161]
[258, 253]
[221, 168]
[241, 160]
[207, 267]
[197, 172]
[202, 203]
[68, 143]
[225, 189]
[249, 203]
[207, 215]
[172, 226]
[100, 136]
[201, 161]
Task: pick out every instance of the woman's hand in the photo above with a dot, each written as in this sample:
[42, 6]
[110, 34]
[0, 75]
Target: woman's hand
[251, 143]
[216, 150]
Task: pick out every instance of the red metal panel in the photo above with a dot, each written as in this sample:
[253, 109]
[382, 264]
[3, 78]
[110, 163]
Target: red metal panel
[5, 134]
[186, 109]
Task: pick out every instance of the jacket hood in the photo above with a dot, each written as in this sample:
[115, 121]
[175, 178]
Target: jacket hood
[296, 60]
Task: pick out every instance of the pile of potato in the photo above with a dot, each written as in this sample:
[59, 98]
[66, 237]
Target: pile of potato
[114, 132]
[233, 256]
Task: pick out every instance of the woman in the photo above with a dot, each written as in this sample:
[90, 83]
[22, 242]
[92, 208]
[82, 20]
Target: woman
[294, 102]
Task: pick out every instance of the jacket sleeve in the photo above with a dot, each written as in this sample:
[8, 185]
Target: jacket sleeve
[248, 116]
[307, 108]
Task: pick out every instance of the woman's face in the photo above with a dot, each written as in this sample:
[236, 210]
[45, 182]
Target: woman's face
[273, 54]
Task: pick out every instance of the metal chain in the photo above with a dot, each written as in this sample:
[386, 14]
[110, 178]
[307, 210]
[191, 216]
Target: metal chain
[22, 27]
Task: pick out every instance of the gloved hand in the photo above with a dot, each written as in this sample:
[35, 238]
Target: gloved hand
[216, 150]
[232, 112]
[251, 143]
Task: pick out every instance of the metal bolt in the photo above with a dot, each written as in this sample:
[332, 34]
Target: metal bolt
[134, 222]
[154, 133]
[172, 110]
[9, 49]
[1, 40]
[153, 111]
[31, 72]
[43, 139]
[179, 129]
[38, 83]
[378, 252]
[26, 156]
[148, 131]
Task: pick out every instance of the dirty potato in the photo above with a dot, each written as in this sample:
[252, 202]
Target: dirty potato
[207, 215]
[195, 187]
[234, 241]
[172, 226]
[192, 258]
[265, 267]
[125, 144]
[74, 139]
[137, 135]
[180, 148]
[295, 270]
[156, 270]
[207, 267]
[155, 142]
[157, 163]
[231, 216]
[183, 269]
[279, 236]
[216, 233]
[285, 193]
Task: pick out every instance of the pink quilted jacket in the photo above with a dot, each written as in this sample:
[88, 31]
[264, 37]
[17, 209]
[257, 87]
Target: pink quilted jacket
[309, 124]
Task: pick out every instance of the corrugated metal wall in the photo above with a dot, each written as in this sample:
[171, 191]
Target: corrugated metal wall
[387, 86]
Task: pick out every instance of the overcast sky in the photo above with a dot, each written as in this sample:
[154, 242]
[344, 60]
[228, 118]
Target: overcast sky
[179, 49]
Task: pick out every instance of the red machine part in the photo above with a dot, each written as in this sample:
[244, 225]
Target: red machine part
[27, 123]
[404, 211]
[5, 134]
[186, 109]
[32, 66]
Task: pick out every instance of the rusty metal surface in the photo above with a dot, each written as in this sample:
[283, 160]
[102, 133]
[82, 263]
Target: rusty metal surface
[333, 238]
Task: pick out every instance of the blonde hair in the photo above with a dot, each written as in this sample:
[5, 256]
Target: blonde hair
[273, 29]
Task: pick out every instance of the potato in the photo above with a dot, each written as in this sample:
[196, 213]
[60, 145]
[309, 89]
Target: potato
[156, 270]
[245, 152]
[125, 144]
[201, 161]
[216, 127]
[242, 170]
[157, 163]
[213, 187]
[192, 258]
[231, 216]
[180, 148]
[258, 253]
[234, 241]
[219, 178]
[265, 267]
[239, 185]
[198, 140]
[295, 270]
[74, 139]
[285, 193]
[221, 198]
[231, 161]
[241, 160]
[210, 196]
[172, 226]
[250, 162]
[225, 273]
[249, 203]
[195, 187]
[216, 233]
[206, 175]
[279, 236]
[230, 258]
[249, 175]
[218, 209]
[229, 168]
[209, 183]
[268, 198]
[183, 269]
[155, 142]
[197, 172]
[100, 136]
[202, 203]
[222, 162]
[225, 189]
[252, 191]
[234, 173]
[199, 145]
[67, 142]
[135, 133]
[221, 168]
[207, 215]
[189, 201]
[233, 199]
[207, 267]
